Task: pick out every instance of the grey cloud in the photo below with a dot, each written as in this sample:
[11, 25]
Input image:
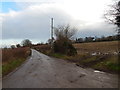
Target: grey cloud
[98, 29]
[33, 24]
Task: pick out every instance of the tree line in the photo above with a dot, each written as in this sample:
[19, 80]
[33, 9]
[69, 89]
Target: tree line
[24, 43]
[97, 39]
[28, 43]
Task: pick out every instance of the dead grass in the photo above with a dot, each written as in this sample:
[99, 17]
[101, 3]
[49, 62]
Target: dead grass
[9, 54]
[102, 47]
[12, 58]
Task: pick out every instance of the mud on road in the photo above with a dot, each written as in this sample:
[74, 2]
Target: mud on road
[41, 71]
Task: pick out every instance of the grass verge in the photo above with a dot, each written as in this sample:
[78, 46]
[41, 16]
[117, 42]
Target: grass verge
[109, 64]
[11, 65]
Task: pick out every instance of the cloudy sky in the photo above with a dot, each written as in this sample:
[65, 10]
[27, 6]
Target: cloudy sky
[25, 19]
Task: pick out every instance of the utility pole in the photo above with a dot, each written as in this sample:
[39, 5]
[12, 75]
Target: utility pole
[52, 29]
[52, 33]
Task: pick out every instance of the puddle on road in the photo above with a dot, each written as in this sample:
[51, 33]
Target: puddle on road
[93, 54]
[96, 71]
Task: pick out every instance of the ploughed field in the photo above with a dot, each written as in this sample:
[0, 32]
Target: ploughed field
[98, 55]
[110, 47]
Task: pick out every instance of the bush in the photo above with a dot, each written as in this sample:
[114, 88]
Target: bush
[63, 44]
[64, 47]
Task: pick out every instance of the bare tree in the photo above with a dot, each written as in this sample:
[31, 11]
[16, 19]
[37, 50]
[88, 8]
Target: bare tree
[65, 31]
[113, 15]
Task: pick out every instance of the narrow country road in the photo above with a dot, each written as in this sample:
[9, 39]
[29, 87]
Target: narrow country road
[41, 71]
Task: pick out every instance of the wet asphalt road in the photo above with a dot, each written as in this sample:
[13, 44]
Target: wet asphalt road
[41, 71]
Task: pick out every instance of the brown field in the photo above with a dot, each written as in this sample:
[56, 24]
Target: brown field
[105, 59]
[102, 47]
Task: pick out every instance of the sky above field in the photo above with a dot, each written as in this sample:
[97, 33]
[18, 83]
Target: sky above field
[30, 19]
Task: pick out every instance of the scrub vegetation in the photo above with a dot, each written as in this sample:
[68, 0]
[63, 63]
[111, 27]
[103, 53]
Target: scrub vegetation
[12, 58]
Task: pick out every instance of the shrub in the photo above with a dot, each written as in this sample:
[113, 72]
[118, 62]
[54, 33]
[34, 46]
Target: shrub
[64, 47]
[63, 43]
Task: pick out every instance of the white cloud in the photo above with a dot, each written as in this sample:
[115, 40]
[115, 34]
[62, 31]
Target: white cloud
[33, 21]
